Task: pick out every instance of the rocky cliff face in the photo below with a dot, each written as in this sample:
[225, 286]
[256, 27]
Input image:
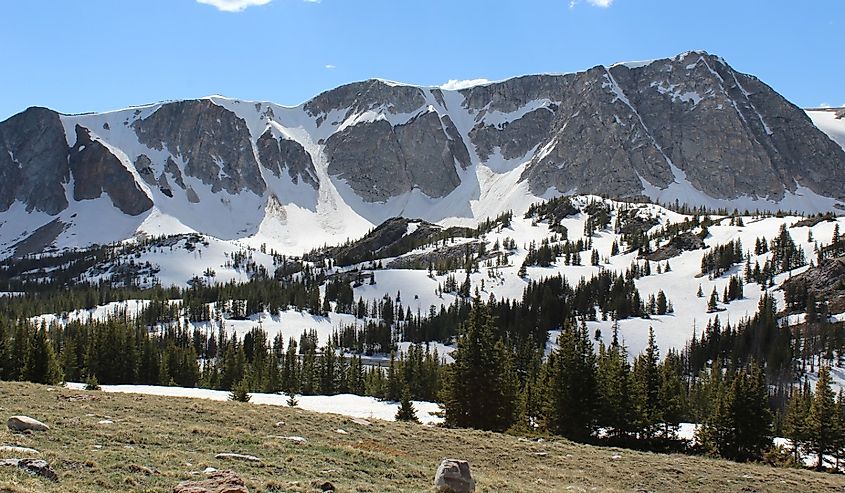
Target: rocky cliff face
[213, 142]
[96, 171]
[33, 161]
[689, 128]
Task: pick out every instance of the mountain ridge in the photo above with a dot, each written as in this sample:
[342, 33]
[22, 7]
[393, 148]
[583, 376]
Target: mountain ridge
[684, 128]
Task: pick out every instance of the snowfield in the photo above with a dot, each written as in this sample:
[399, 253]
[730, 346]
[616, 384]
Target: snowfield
[354, 406]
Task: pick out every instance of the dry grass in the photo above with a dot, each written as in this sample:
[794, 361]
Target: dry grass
[155, 442]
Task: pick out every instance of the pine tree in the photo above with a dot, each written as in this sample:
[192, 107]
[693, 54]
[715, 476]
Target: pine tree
[739, 427]
[406, 410]
[241, 391]
[822, 420]
[613, 380]
[661, 303]
[572, 384]
[714, 299]
[646, 386]
[672, 393]
[795, 419]
[4, 359]
[40, 364]
[479, 388]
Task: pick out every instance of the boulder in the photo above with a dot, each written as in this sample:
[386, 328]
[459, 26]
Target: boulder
[217, 482]
[453, 476]
[24, 423]
[36, 467]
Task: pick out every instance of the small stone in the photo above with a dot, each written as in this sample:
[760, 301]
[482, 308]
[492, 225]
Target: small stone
[209, 470]
[24, 423]
[279, 424]
[454, 476]
[361, 421]
[323, 486]
[137, 469]
[18, 450]
[217, 482]
[105, 422]
[616, 457]
[243, 457]
[341, 431]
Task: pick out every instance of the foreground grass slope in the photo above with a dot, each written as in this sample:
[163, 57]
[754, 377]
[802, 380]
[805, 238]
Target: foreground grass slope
[153, 443]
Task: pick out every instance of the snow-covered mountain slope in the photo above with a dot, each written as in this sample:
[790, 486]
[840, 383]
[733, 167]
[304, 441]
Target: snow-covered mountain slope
[830, 121]
[689, 129]
[421, 289]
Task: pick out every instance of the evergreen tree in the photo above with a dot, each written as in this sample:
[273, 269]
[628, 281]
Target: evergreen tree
[406, 410]
[479, 388]
[40, 364]
[646, 378]
[739, 427]
[672, 393]
[795, 419]
[4, 358]
[572, 384]
[822, 424]
[613, 380]
[241, 391]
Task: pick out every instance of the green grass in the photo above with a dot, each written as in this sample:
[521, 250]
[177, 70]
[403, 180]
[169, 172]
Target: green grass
[174, 437]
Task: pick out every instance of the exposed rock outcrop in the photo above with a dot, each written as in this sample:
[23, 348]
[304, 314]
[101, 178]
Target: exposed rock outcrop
[280, 154]
[97, 170]
[33, 161]
[214, 143]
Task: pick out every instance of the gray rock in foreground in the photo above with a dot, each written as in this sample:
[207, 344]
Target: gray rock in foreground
[24, 423]
[36, 467]
[242, 457]
[217, 482]
[454, 476]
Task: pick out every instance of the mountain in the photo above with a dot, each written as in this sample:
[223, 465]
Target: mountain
[689, 129]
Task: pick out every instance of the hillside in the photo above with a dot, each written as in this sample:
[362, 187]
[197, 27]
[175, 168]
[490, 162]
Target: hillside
[152, 443]
[408, 250]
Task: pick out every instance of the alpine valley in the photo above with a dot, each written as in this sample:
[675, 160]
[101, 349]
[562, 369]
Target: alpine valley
[676, 197]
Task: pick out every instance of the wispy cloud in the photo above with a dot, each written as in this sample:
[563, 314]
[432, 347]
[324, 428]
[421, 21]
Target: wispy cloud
[595, 3]
[329, 65]
[234, 5]
[824, 105]
[454, 84]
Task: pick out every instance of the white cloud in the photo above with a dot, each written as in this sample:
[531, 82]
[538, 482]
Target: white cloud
[824, 105]
[454, 85]
[330, 66]
[595, 3]
[234, 5]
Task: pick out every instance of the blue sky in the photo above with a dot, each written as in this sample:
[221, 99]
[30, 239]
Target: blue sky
[96, 55]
